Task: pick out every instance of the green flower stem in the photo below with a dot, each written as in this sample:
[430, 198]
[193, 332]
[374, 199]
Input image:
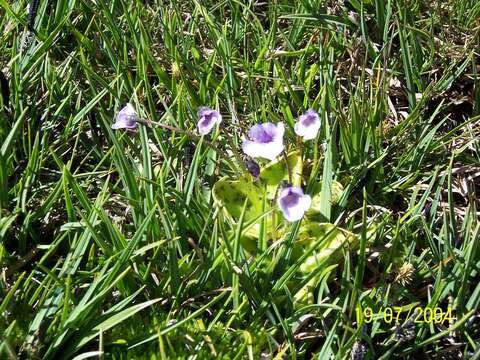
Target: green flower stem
[298, 169]
[290, 177]
[236, 154]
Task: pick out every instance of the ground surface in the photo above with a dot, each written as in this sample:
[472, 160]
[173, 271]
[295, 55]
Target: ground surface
[111, 243]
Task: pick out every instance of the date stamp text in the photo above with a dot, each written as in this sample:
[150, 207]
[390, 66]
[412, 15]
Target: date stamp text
[399, 314]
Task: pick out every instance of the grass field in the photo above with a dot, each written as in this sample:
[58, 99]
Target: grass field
[157, 243]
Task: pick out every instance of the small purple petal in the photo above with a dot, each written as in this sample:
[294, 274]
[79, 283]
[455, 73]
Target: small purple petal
[126, 118]
[263, 133]
[207, 119]
[309, 118]
[266, 141]
[308, 125]
[293, 203]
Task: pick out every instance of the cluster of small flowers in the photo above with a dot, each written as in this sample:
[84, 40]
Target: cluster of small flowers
[264, 141]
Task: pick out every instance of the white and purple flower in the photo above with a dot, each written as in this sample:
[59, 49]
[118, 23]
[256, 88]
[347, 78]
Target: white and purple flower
[207, 119]
[308, 125]
[266, 141]
[293, 203]
[126, 118]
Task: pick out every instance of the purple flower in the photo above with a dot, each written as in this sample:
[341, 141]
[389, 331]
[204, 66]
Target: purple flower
[126, 118]
[293, 203]
[308, 125]
[207, 118]
[266, 141]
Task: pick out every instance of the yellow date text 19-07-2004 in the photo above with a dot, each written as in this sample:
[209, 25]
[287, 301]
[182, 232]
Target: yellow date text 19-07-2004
[399, 314]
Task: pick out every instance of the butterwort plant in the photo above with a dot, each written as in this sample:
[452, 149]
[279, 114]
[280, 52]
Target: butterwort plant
[264, 141]
[260, 198]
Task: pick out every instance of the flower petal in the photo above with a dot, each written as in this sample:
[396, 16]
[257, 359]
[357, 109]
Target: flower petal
[207, 119]
[128, 111]
[308, 125]
[308, 133]
[264, 150]
[263, 133]
[293, 203]
[280, 130]
[118, 125]
[266, 140]
[126, 118]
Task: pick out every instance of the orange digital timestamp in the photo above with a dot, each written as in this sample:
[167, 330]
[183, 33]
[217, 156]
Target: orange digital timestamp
[396, 314]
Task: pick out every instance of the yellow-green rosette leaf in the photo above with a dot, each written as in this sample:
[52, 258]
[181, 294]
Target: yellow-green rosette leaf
[231, 195]
[276, 171]
[336, 192]
[329, 249]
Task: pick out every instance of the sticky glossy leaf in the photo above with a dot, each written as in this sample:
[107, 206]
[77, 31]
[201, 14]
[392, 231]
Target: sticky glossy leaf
[328, 251]
[336, 192]
[231, 194]
[276, 171]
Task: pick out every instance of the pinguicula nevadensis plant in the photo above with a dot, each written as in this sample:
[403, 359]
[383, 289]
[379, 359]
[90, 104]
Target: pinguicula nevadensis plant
[270, 196]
